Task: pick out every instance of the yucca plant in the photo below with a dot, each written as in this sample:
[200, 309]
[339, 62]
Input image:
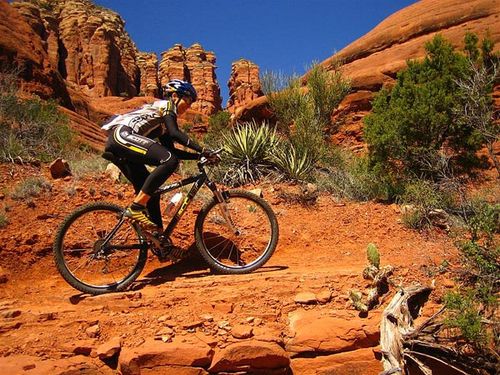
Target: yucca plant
[247, 149]
[249, 142]
[296, 163]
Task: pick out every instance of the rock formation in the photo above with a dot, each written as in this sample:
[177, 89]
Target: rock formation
[86, 43]
[22, 51]
[374, 59]
[148, 67]
[244, 84]
[197, 66]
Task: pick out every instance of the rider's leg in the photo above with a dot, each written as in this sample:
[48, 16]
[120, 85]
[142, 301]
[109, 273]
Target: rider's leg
[167, 163]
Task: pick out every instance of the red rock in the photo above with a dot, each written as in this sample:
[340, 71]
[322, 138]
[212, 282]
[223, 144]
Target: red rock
[250, 356]
[356, 362]
[93, 331]
[110, 348]
[324, 296]
[225, 308]
[241, 331]
[22, 47]
[24, 364]
[148, 67]
[80, 347]
[59, 168]
[313, 332]
[9, 326]
[244, 84]
[305, 298]
[197, 66]
[9, 314]
[154, 354]
[3, 276]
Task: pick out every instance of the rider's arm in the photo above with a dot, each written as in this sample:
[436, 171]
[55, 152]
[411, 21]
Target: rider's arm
[177, 135]
[184, 155]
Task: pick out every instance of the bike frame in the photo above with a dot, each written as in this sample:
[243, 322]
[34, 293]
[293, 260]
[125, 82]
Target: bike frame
[198, 181]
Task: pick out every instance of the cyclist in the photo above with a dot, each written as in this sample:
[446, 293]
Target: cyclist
[132, 139]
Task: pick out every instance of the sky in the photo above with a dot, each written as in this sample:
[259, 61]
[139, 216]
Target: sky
[283, 36]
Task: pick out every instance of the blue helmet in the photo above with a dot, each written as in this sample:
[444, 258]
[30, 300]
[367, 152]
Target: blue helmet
[182, 88]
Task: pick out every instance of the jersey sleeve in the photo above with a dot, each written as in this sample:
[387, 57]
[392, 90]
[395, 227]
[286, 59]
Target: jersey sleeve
[179, 136]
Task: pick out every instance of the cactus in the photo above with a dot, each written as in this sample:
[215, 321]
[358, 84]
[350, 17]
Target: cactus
[373, 255]
[356, 297]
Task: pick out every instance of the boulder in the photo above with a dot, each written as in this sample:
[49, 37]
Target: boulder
[305, 298]
[250, 356]
[356, 362]
[24, 364]
[110, 348]
[113, 172]
[314, 332]
[157, 354]
[59, 168]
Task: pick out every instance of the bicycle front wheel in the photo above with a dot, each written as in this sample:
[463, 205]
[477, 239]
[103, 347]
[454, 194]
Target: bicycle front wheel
[237, 236]
[91, 258]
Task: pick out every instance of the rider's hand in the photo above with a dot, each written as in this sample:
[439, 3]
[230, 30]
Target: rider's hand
[210, 155]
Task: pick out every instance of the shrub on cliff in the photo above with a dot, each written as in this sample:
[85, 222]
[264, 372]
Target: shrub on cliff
[217, 124]
[303, 114]
[416, 120]
[30, 128]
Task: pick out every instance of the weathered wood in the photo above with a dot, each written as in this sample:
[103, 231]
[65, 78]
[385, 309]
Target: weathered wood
[397, 323]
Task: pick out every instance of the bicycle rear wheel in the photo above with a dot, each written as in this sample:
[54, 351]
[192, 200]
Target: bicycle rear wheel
[90, 263]
[241, 241]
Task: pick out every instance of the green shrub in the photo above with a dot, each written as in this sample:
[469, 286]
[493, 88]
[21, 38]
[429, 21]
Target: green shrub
[326, 91]
[84, 163]
[349, 176]
[31, 187]
[218, 123]
[4, 221]
[295, 163]
[464, 315]
[412, 122]
[423, 197]
[302, 116]
[30, 128]
[473, 307]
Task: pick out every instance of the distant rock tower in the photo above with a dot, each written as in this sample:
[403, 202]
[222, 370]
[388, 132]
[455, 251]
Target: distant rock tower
[244, 84]
[148, 67]
[197, 66]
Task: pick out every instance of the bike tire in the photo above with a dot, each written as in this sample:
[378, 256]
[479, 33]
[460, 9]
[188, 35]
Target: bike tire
[79, 235]
[254, 219]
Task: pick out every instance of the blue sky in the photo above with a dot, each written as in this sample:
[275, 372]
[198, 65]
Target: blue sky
[278, 35]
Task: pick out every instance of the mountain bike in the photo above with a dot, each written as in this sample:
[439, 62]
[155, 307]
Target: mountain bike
[97, 250]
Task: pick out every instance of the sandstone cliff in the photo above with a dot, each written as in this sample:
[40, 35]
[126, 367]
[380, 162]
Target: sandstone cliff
[87, 44]
[22, 51]
[374, 59]
[148, 67]
[244, 84]
[196, 65]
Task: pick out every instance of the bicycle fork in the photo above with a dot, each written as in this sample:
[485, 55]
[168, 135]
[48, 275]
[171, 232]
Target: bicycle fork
[225, 211]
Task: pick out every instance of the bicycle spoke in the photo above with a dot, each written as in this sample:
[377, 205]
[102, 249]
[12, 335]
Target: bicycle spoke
[246, 229]
[99, 265]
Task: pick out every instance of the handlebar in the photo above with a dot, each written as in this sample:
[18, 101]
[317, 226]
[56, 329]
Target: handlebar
[204, 160]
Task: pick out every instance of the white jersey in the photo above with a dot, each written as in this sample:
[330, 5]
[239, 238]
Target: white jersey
[144, 120]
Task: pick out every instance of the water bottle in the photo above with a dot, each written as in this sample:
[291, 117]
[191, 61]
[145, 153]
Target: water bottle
[173, 204]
